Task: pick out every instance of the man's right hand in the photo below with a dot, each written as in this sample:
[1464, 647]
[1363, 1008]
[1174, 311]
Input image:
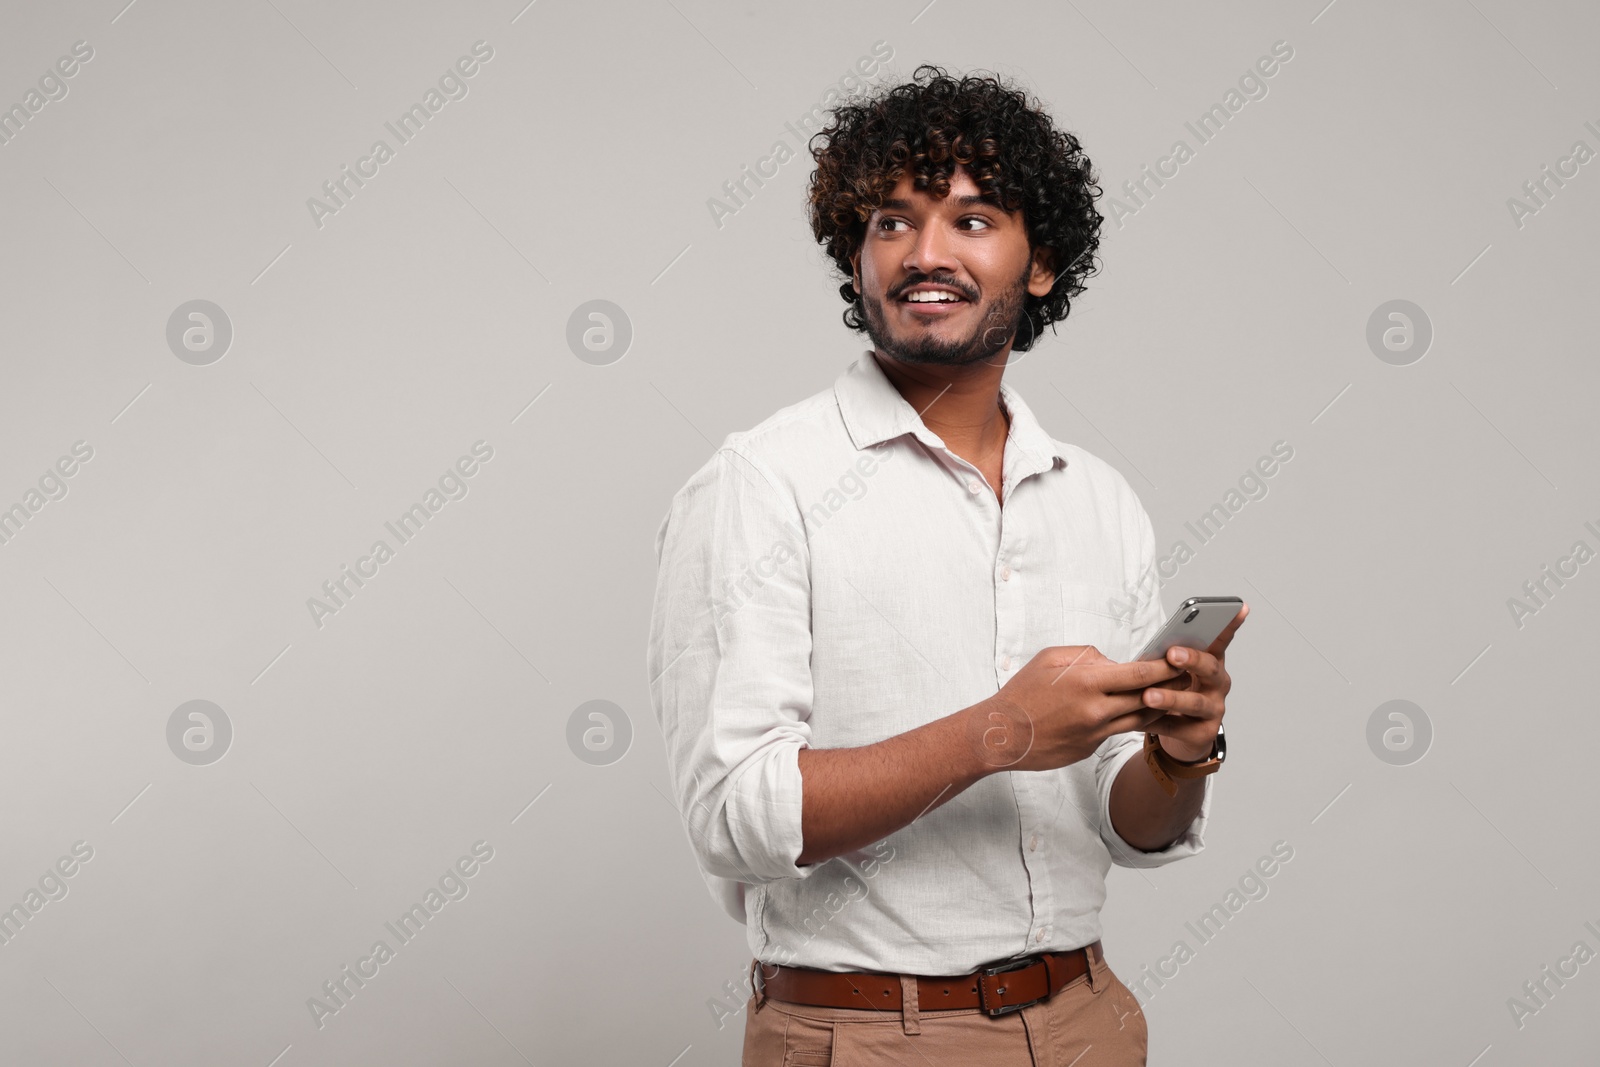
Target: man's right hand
[1061, 705]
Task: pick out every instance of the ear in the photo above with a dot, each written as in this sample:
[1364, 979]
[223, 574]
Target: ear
[1043, 276]
[855, 270]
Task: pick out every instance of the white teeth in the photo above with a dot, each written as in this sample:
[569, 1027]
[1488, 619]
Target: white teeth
[928, 296]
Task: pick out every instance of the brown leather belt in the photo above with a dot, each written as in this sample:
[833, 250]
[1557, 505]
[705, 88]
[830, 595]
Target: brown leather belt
[997, 989]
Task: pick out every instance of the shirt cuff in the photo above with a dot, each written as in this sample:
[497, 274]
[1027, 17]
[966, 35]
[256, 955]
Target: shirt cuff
[763, 809]
[748, 828]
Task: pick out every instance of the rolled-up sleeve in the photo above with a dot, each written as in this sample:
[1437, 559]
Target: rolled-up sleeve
[729, 662]
[1115, 751]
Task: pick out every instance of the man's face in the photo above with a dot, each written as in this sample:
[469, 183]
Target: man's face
[943, 281]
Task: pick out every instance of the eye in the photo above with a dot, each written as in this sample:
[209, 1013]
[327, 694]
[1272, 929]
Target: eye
[979, 218]
[887, 221]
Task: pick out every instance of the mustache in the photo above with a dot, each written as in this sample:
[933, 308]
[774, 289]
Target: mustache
[934, 280]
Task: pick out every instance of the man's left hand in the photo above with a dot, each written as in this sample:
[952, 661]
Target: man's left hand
[1194, 702]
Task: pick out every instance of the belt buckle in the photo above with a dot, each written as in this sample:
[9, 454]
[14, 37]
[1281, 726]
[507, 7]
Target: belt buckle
[1004, 968]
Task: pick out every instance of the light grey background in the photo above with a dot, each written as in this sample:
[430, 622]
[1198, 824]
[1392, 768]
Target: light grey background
[431, 312]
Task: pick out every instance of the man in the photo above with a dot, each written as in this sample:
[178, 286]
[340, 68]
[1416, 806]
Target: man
[886, 645]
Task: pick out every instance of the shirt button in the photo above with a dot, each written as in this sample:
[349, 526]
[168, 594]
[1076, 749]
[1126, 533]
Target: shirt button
[1039, 936]
[972, 487]
[1005, 573]
[1005, 664]
[1033, 845]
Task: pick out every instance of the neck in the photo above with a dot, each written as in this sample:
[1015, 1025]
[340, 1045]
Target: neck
[960, 404]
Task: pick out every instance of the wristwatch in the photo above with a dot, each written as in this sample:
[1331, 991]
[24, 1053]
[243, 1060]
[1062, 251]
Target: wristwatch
[1166, 768]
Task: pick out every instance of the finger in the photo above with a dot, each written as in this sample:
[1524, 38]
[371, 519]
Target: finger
[1125, 711]
[1226, 636]
[1194, 704]
[1136, 720]
[1206, 667]
[1180, 683]
[1140, 674]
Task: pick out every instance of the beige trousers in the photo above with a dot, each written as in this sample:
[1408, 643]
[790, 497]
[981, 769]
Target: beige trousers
[1094, 1021]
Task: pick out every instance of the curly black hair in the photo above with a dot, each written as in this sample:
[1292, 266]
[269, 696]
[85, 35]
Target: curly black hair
[928, 126]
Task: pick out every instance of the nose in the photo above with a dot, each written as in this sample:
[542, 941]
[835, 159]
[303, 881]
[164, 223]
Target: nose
[931, 252]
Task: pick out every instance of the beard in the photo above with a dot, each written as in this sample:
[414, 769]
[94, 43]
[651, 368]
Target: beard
[998, 322]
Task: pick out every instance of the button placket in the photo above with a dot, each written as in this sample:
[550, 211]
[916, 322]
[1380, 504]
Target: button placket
[1035, 858]
[1010, 601]
[1011, 648]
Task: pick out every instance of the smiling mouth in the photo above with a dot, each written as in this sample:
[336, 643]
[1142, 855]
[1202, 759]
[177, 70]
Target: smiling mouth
[932, 303]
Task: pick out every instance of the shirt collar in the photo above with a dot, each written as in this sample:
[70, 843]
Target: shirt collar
[874, 411]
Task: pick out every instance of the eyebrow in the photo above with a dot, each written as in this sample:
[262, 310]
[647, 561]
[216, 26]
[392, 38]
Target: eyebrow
[897, 204]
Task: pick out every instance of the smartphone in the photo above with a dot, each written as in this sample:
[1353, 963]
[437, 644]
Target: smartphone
[1198, 621]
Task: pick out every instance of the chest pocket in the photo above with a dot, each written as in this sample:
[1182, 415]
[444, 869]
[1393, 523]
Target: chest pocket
[1089, 616]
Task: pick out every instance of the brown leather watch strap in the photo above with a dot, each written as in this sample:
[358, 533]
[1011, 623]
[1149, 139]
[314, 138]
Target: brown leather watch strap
[994, 989]
[1165, 768]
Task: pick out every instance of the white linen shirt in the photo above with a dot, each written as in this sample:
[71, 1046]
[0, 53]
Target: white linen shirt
[835, 576]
